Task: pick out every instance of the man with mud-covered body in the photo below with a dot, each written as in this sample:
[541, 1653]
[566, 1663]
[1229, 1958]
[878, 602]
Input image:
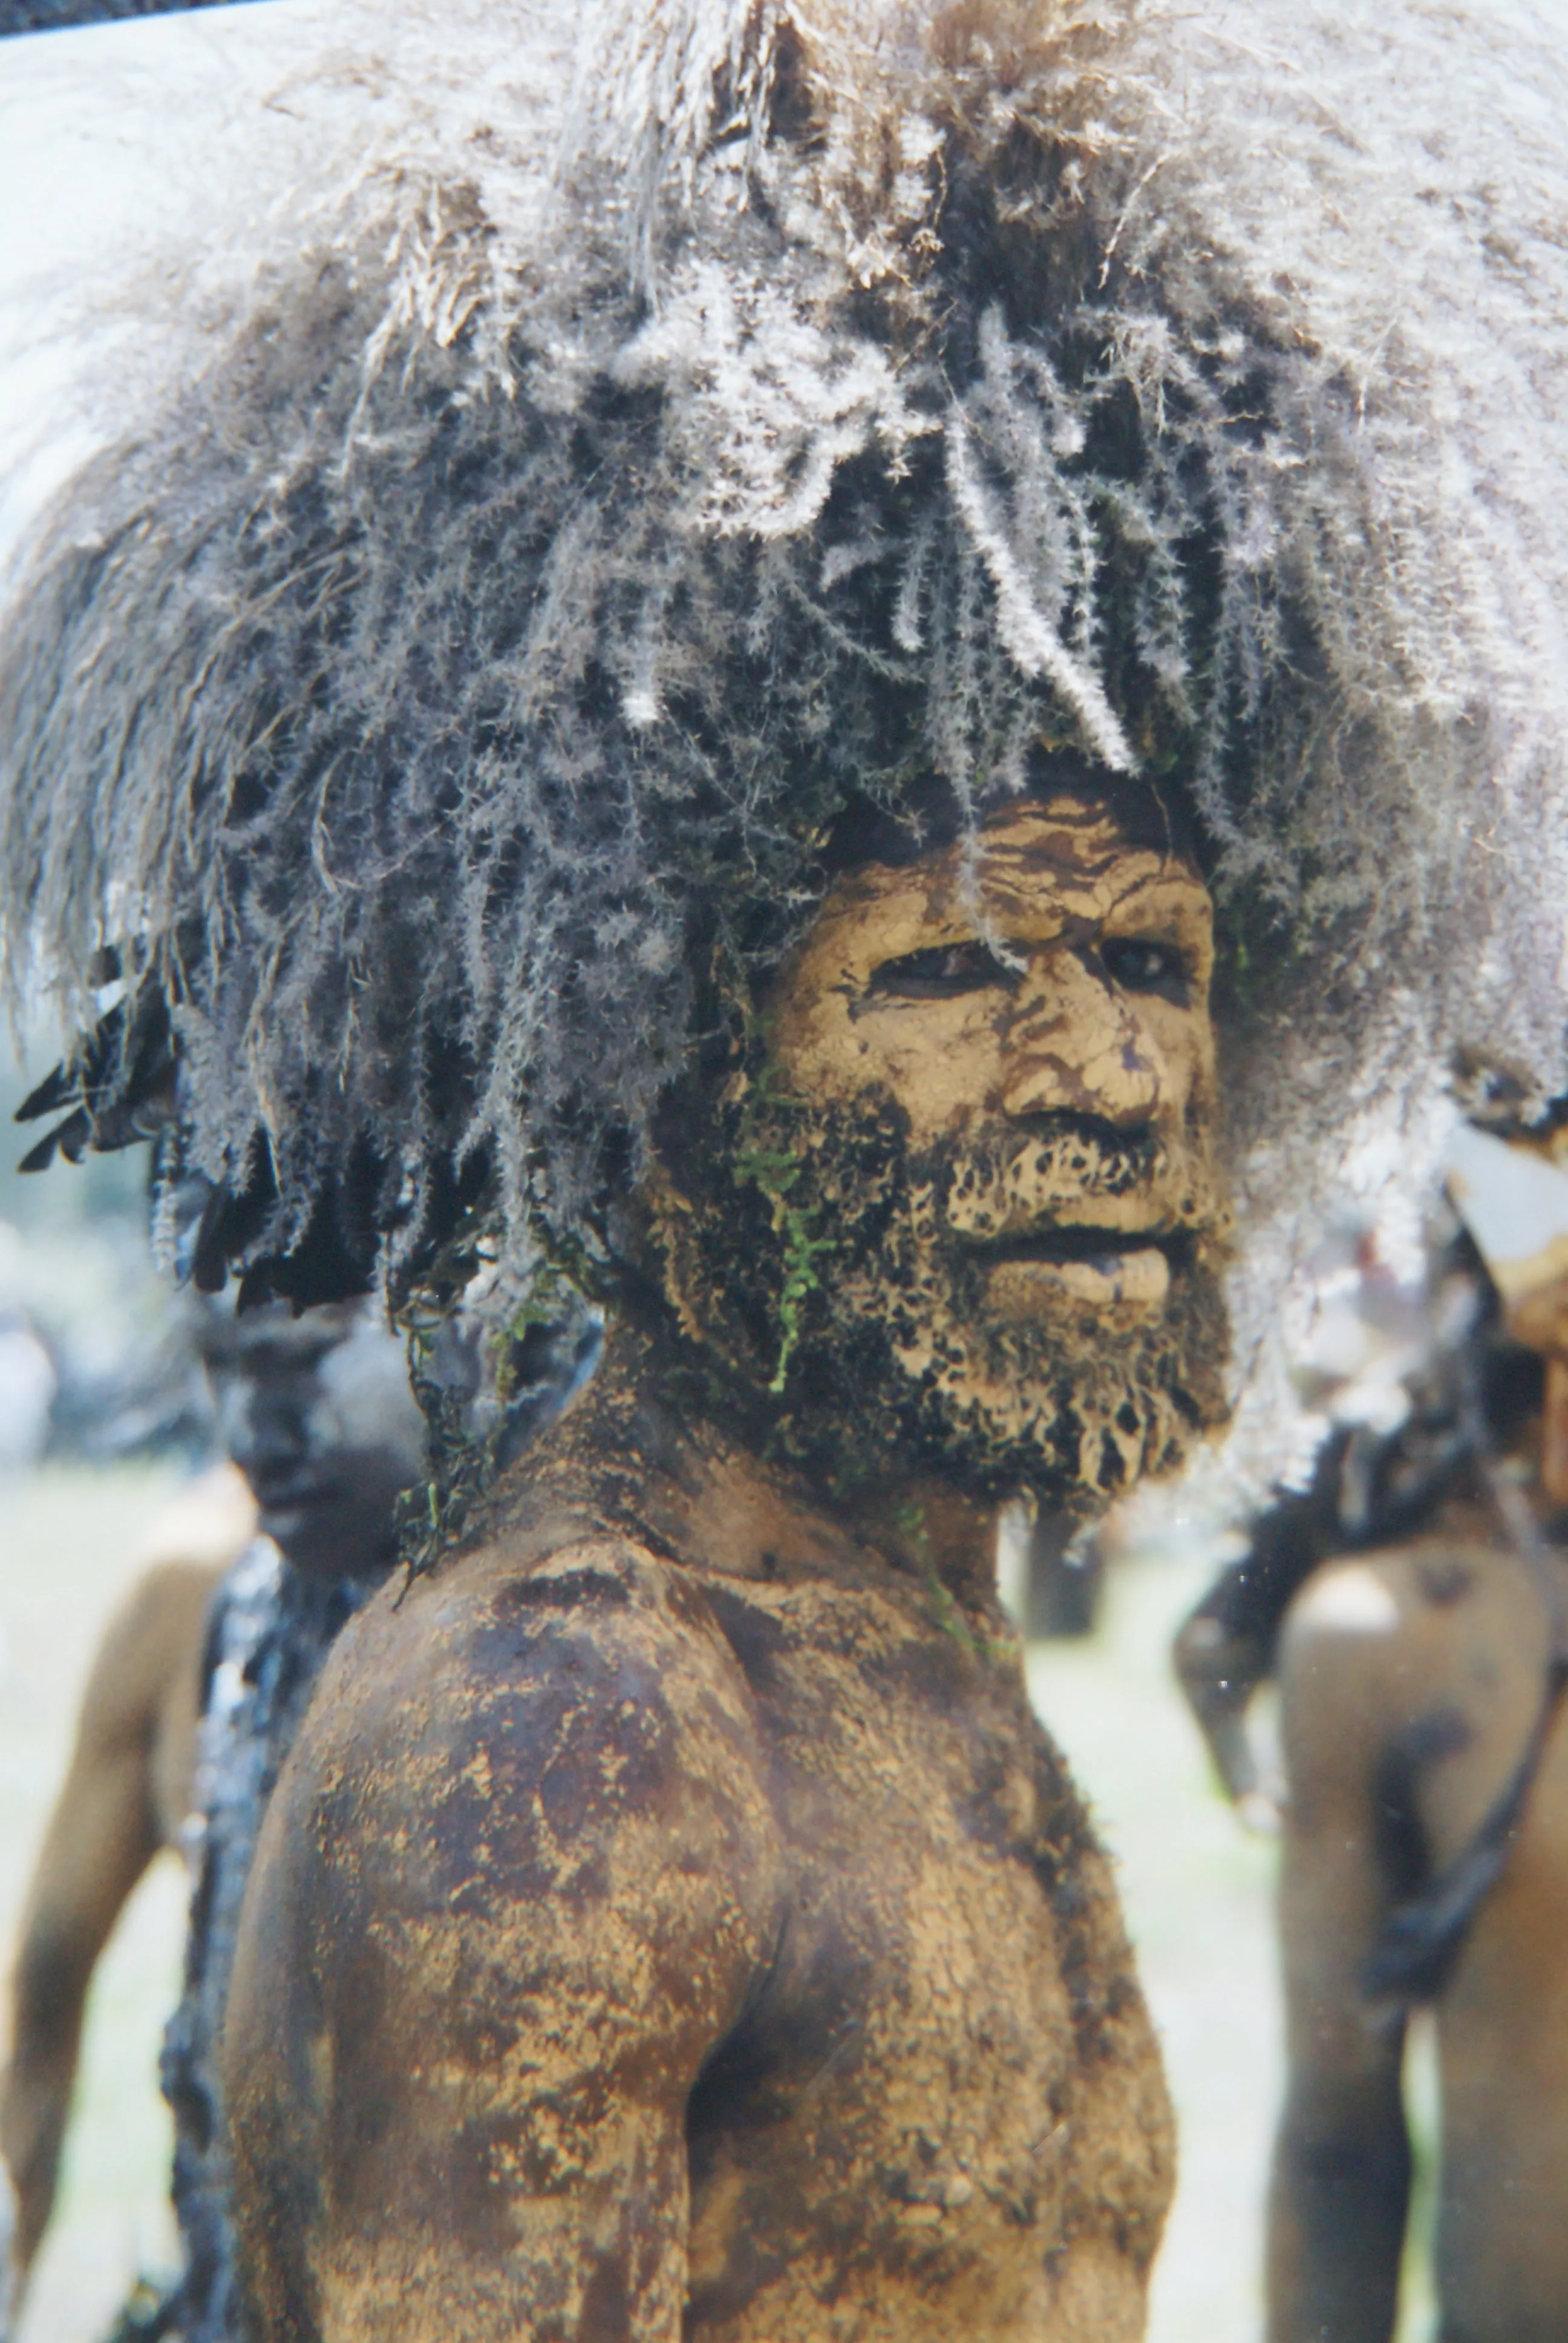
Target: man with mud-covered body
[633, 629]
[671, 1912]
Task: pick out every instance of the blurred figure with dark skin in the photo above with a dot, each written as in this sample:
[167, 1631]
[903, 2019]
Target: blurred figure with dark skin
[1227, 1648]
[316, 1415]
[1425, 1850]
[1377, 1366]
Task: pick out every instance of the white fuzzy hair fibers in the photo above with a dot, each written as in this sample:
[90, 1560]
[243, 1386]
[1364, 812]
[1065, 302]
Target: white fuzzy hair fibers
[600, 448]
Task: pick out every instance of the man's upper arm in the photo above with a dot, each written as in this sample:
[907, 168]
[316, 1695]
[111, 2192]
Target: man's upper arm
[1342, 2164]
[515, 1885]
[1334, 1897]
[105, 1827]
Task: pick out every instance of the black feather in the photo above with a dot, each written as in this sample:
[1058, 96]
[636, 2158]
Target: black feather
[61, 1087]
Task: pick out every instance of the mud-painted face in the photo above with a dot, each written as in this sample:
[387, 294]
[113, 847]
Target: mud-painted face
[989, 1100]
[318, 1414]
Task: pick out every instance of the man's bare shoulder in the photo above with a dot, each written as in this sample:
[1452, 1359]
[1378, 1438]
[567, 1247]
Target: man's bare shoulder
[1403, 1611]
[530, 1712]
[150, 1653]
[522, 1867]
[529, 1591]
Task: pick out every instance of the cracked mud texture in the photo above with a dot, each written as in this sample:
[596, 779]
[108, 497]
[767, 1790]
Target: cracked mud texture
[671, 1922]
[760, 1957]
[988, 1096]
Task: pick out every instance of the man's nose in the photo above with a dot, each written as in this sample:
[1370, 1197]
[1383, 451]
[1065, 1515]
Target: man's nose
[1074, 1046]
[268, 1429]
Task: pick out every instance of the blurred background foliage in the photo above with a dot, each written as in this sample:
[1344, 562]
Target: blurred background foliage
[95, 1357]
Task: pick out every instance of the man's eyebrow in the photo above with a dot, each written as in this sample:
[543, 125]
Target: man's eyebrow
[1040, 854]
[1165, 877]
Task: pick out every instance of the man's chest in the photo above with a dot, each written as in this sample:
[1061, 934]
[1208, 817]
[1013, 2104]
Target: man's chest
[906, 2103]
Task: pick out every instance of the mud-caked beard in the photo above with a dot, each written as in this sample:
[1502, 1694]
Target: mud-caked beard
[894, 1351]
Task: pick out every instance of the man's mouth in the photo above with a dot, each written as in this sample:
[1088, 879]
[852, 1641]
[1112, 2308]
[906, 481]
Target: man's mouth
[280, 1493]
[1106, 1268]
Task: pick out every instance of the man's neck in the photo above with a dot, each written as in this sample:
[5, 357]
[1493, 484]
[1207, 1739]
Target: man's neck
[630, 1451]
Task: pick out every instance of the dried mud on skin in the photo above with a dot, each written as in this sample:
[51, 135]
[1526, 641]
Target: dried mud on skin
[896, 1164]
[734, 1912]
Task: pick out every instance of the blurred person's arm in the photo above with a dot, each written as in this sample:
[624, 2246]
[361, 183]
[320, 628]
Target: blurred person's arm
[1341, 2182]
[125, 1793]
[1225, 1648]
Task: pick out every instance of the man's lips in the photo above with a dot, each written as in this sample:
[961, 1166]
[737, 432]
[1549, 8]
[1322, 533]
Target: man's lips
[291, 1493]
[1057, 1244]
[1105, 1268]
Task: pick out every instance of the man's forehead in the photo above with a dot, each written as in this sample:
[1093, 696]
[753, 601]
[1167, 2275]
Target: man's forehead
[1070, 849]
[1072, 841]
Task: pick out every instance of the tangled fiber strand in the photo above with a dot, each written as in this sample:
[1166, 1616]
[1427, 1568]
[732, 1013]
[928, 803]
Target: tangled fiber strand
[635, 445]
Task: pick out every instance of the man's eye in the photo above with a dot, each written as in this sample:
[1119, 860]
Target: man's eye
[941, 972]
[1144, 967]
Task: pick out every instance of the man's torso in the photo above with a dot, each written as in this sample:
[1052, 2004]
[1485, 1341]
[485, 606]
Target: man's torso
[937, 2107]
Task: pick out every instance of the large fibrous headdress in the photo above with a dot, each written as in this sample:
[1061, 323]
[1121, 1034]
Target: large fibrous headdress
[638, 436]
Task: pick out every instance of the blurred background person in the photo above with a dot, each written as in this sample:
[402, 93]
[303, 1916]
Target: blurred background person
[1374, 1371]
[103, 1418]
[317, 1412]
[230, 1625]
[1424, 1852]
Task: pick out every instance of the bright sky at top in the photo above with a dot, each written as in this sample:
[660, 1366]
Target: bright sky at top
[106, 133]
